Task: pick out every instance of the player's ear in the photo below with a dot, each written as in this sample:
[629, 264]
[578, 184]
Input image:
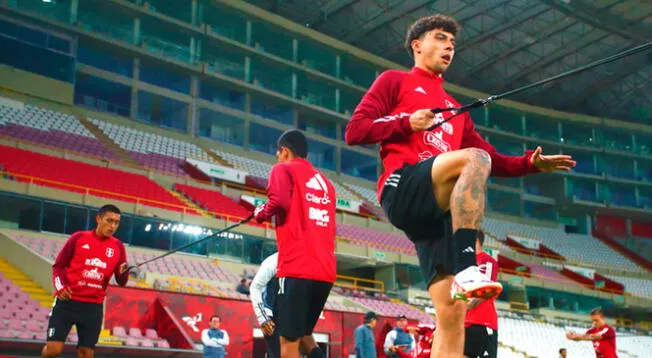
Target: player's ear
[416, 45]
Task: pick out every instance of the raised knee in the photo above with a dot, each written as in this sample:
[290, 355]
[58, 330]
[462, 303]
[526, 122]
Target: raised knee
[478, 157]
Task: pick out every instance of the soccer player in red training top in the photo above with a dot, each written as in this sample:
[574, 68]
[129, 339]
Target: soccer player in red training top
[601, 334]
[481, 323]
[434, 182]
[80, 276]
[303, 203]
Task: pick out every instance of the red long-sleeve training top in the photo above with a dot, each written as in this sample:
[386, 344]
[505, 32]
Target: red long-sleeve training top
[86, 263]
[383, 116]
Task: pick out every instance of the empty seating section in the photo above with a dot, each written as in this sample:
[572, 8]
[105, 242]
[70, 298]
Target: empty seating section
[572, 246]
[81, 177]
[261, 169]
[251, 166]
[539, 339]
[639, 346]
[504, 352]
[550, 275]
[393, 309]
[151, 150]
[135, 337]
[213, 201]
[46, 127]
[369, 194]
[378, 239]
[20, 316]
[636, 286]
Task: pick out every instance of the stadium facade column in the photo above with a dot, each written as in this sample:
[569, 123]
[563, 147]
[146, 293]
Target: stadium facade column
[133, 111]
[74, 6]
[194, 10]
[247, 119]
[295, 58]
[193, 115]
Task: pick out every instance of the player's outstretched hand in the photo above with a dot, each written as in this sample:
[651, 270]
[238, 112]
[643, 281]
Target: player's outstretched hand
[268, 328]
[65, 294]
[422, 119]
[551, 163]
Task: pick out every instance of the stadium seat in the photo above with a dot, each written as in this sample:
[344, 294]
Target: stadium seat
[135, 332]
[119, 331]
[132, 342]
[163, 344]
[151, 334]
[47, 127]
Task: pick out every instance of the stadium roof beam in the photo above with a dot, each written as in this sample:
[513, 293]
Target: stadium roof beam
[559, 26]
[637, 88]
[602, 18]
[592, 37]
[604, 82]
[333, 7]
[522, 17]
[479, 10]
[401, 9]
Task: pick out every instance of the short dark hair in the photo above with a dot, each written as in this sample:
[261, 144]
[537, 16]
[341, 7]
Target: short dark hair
[295, 141]
[597, 311]
[215, 316]
[429, 23]
[108, 208]
[481, 237]
[561, 349]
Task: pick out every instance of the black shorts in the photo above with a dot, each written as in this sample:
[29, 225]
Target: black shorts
[480, 342]
[86, 316]
[409, 202]
[299, 304]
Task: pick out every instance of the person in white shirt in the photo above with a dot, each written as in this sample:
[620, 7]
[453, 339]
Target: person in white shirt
[263, 290]
[215, 339]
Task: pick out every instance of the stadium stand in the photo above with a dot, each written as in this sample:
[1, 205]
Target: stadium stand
[151, 150]
[213, 201]
[80, 177]
[379, 239]
[46, 127]
[368, 194]
[261, 170]
[572, 246]
[252, 166]
[635, 286]
[539, 339]
[394, 309]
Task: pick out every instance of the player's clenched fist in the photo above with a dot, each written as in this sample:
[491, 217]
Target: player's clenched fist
[422, 119]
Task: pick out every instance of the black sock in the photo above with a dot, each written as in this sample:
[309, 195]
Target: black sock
[316, 353]
[465, 246]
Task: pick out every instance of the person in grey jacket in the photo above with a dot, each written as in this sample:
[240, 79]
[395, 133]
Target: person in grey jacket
[365, 344]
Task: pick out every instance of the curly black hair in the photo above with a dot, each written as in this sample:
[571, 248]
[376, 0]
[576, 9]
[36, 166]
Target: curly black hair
[429, 23]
